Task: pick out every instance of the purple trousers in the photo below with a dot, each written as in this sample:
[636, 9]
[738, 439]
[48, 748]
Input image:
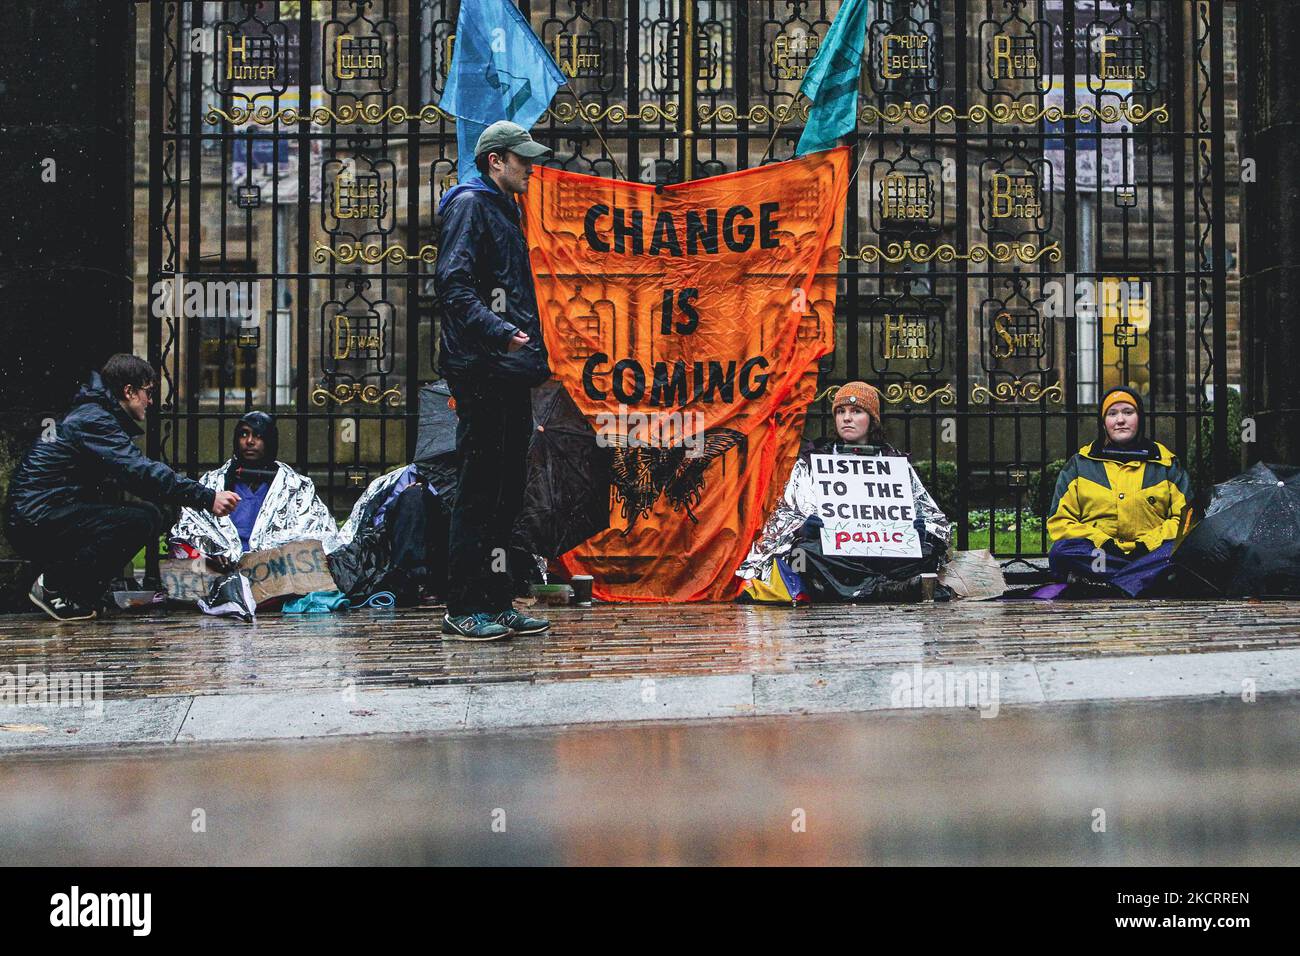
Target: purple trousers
[1130, 575]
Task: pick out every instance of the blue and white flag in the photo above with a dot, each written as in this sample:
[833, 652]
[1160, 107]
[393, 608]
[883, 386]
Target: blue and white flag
[499, 71]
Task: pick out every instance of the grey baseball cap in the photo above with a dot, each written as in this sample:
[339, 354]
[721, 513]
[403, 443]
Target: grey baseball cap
[505, 135]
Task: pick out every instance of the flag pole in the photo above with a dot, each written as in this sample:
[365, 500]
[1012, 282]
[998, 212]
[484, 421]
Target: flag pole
[780, 123]
[863, 149]
[578, 99]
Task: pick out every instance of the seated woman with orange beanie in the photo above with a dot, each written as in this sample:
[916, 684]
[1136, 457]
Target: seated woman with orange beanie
[776, 574]
[1117, 508]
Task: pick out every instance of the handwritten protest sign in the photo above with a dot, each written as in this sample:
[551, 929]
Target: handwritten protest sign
[297, 568]
[866, 506]
[186, 579]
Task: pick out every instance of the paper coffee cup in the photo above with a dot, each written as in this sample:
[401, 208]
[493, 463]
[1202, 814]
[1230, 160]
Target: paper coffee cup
[581, 588]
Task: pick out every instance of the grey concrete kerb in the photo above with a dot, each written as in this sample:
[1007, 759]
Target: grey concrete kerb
[980, 688]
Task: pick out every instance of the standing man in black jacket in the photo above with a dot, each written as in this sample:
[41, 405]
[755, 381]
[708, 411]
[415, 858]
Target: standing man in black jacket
[492, 356]
[59, 515]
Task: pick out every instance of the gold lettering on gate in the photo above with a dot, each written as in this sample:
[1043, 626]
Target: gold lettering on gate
[446, 181]
[904, 54]
[1015, 197]
[346, 64]
[583, 58]
[1014, 343]
[1013, 61]
[245, 70]
[356, 198]
[906, 337]
[350, 344]
[1122, 65]
[792, 55]
[906, 196]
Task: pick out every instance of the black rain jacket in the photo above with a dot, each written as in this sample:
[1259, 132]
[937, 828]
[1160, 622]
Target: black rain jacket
[481, 248]
[91, 455]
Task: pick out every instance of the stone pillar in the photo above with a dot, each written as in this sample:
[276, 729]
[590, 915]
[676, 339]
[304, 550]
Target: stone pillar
[1269, 35]
[67, 85]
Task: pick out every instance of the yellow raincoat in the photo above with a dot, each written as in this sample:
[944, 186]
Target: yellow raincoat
[1131, 501]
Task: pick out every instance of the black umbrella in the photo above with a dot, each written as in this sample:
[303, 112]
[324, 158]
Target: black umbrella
[567, 496]
[435, 443]
[1248, 545]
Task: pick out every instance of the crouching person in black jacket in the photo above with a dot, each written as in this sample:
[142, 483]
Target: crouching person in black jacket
[60, 517]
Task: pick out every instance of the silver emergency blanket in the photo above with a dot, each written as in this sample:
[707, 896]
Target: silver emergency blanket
[291, 511]
[799, 501]
[379, 488]
[230, 596]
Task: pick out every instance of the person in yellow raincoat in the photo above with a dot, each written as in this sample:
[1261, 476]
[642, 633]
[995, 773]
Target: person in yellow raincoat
[1117, 508]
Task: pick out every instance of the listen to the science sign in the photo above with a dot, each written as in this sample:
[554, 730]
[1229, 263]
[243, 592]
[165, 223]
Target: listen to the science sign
[866, 506]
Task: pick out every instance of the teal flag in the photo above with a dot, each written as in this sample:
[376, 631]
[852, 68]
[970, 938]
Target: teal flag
[499, 71]
[831, 83]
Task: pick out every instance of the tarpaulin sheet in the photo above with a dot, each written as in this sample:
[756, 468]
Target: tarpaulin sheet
[686, 322]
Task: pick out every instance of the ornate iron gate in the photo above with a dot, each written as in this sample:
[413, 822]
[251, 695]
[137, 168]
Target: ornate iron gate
[1039, 212]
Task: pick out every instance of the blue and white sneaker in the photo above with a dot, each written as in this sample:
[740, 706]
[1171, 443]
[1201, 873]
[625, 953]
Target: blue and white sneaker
[521, 623]
[473, 627]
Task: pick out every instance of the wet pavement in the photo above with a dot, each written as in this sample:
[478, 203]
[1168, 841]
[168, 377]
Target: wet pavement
[180, 678]
[1165, 782]
[183, 653]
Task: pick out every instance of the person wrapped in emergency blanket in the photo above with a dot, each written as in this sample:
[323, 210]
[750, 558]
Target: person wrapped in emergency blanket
[787, 565]
[277, 505]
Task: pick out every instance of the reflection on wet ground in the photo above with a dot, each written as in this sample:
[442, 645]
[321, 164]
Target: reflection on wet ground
[1174, 782]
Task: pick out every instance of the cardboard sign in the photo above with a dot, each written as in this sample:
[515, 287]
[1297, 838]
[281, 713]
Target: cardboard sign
[293, 569]
[186, 580]
[287, 571]
[866, 506]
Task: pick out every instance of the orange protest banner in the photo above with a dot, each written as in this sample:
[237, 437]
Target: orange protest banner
[686, 322]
